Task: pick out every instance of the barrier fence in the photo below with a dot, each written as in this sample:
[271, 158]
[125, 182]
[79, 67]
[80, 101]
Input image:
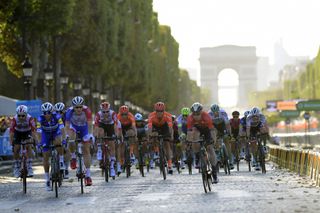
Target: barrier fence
[303, 162]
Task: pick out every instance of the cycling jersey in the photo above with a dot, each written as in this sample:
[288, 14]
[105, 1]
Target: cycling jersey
[153, 120]
[182, 123]
[127, 121]
[49, 129]
[26, 125]
[220, 121]
[79, 122]
[107, 121]
[22, 129]
[235, 124]
[255, 120]
[142, 128]
[204, 122]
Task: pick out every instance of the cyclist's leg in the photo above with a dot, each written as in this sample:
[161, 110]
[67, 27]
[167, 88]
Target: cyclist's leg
[227, 142]
[192, 136]
[16, 155]
[46, 165]
[58, 144]
[72, 147]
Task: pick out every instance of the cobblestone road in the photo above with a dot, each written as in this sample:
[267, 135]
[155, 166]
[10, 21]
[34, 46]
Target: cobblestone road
[277, 191]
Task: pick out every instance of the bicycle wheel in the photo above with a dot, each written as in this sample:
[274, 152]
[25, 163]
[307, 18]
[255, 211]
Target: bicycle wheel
[80, 174]
[225, 160]
[162, 164]
[262, 160]
[127, 160]
[141, 162]
[237, 155]
[24, 172]
[204, 175]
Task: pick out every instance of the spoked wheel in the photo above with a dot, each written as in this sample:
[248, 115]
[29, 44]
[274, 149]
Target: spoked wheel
[205, 178]
[24, 177]
[262, 161]
[106, 172]
[226, 161]
[162, 165]
[81, 175]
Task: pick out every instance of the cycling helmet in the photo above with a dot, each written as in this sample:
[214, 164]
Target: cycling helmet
[196, 107]
[255, 111]
[185, 111]
[215, 108]
[159, 106]
[22, 109]
[124, 109]
[235, 113]
[105, 106]
[59, 107]
[78, 100]
[246, 113]
[46, 107]
[138, 117]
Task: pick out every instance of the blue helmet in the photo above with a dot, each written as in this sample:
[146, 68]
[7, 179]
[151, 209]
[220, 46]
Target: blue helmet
[138, 117]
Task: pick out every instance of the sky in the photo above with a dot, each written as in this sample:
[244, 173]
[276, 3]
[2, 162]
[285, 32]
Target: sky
[261, 23]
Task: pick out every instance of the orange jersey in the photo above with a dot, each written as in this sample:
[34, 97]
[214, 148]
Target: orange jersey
[205, 121]
[127, 121]
[158, 122]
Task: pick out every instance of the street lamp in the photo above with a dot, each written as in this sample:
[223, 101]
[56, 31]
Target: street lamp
[86, 91]
[95, 96]
[64, 80]
[48, 77]
[77, 87]
[103, 96]
[27, 73]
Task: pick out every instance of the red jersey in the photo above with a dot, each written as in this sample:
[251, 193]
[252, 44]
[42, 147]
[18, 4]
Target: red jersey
[205, 121]
[234, 124]
[153, 120]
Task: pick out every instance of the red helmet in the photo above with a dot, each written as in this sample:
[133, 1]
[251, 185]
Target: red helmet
[105, 106]
[159, 106]
[124, 109]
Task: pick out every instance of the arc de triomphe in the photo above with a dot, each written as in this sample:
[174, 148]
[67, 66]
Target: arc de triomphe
[241, 59]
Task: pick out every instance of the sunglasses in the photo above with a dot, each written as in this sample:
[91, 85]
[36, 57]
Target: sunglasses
[105, 112]
[21, 116]
[46, 113]
[124, 114]
[78, 107]
[196, 113]
[159, 111]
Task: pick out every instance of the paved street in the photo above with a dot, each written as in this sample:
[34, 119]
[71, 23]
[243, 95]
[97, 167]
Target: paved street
[277, 191]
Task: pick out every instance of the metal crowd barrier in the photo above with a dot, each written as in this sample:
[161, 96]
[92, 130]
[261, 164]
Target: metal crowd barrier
[303, 162]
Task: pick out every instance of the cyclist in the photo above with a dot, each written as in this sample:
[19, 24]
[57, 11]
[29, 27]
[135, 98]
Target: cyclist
[222, 126]
[256, 122]
[243, 130]
[235, 125]
[199, 123]
[106, 123]
[22, 127]
[60, 109]
[160, 122]
[128, 125]
[182, 128]
[142, 129]
[49, 128]
[176, 145]
[78, 119]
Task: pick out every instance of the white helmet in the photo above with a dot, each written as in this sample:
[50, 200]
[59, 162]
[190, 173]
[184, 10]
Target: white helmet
[59, 106]
[196, 107]
[255, 111]
[22, 109]
[76, 101]
[46, 107]
[246, 113]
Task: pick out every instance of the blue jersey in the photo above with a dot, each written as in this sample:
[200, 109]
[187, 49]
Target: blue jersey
[50, 129]
[182, 124]
[53, 126]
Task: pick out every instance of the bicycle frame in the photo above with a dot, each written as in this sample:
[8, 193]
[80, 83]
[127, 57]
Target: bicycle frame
[23, 166]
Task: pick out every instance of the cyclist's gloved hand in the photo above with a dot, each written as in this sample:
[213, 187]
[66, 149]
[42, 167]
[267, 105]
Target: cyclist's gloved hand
[182, 136]
[39, 148]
